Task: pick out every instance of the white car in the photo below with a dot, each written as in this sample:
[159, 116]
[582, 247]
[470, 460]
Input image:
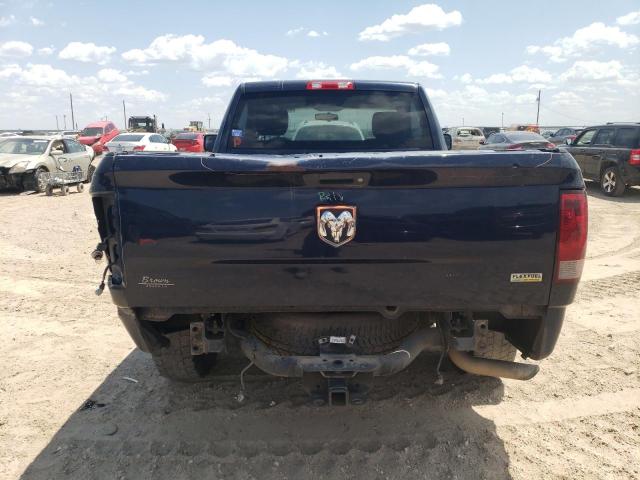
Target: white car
[466, 138]
[138, 142]
[24, 160]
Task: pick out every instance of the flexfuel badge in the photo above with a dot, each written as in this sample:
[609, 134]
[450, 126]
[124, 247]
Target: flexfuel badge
[526, 277]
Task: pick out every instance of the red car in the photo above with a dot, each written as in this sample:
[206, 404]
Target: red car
[189, 142]
[96, 134]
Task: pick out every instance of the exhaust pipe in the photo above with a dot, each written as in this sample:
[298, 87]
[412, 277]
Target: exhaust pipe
[493, 368]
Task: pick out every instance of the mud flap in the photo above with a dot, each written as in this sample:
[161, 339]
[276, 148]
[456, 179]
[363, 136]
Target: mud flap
[536, 337]
[146, 338]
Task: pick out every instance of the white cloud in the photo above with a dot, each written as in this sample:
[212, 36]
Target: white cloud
[46, 51]
[314, 34]
[9, 71]
[212, 80]
[632, 18]
[136, 73]
[584, 40]
[420, 18]
[41, 75]
[566, 99]
[521, 74]
[87, 52]
[8, 20]
[436, 93]
[36, 22]
[464, 78]
[111, 75]
[525, 98]
[223, 56]
[140, 93]
[45, 79]
[413, 68]
[15, 48]
[317, 71]
[592, 70]
[294, 31]
[427, 49]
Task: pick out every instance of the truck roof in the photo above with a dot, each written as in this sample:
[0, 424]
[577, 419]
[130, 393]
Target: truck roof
[269, 86]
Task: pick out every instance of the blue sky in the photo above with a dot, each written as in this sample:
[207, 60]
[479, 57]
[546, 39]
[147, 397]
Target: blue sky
[182, 60]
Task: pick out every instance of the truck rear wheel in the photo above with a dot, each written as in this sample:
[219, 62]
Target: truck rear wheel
[175, 361]
[496, 347]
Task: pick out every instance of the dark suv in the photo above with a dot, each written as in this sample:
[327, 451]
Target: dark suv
[609, 154]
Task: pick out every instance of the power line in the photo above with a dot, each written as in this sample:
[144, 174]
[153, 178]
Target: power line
[567, 116]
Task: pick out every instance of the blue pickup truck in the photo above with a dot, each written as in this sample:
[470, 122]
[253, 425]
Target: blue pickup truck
[329, 234]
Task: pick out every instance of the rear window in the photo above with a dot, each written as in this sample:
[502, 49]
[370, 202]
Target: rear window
[127, 138]
[301, 121]
[628, 137]
[187, 136]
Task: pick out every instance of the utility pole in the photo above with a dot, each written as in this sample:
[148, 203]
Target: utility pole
[65, 121]
[463, 121]
[502, 121]
[209, 117]
[57, 126]
[124, 110]
[538, 114]
[73, 119]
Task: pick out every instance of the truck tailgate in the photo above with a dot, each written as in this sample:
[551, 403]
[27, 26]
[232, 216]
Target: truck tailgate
[434, 230]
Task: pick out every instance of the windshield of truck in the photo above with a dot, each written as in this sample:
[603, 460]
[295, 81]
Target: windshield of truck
[302, 121]
[24, 146]
[91, 132]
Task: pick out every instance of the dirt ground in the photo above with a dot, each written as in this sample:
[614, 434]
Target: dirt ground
[61, 346]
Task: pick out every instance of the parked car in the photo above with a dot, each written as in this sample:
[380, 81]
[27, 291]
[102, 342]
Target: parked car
[189, 142]
[609, 154]
[486, 131]
[96, 134]
[137, 142]
[562, 135]
[23, 160]
[338, 258]
[516, 141]
[466, 138]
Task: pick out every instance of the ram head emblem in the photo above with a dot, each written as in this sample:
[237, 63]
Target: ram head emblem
[336, 224]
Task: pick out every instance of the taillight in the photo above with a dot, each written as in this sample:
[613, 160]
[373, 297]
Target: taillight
[550, 146]
[572, 236]
[634, 157]
[138, 148]
[330, 85]
[515, 146]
